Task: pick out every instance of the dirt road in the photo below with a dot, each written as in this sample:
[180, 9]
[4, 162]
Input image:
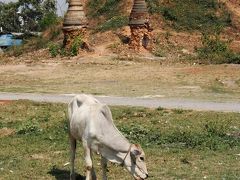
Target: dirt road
[131, 101]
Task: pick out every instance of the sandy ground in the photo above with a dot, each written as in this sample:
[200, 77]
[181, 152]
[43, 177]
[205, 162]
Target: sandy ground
[124, 77]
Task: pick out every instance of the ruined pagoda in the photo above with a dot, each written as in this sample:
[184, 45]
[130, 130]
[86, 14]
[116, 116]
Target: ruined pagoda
[139, 25]
[75, 24]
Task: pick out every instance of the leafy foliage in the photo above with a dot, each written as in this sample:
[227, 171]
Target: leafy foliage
[76, 45]
[27, 15]
[9, 18]
[54, 49]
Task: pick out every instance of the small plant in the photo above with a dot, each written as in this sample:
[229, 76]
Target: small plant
[29, 127]
[54, 49]
[77, 43]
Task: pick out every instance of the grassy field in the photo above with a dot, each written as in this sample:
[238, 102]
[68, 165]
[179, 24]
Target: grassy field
[179, 144]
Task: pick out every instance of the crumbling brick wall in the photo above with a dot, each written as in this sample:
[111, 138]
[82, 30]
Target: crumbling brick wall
[71, 34]
[140, 38]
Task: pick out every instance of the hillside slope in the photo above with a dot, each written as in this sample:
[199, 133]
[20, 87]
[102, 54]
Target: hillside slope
[234, 8]
[177, 28]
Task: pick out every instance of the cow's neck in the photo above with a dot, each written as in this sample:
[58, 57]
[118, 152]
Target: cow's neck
[113, 139]
[114, 145]
[113, 155]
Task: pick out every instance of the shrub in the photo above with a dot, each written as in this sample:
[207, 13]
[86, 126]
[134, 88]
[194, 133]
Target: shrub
[215, 50]
[54, 49]
[50, 19]
[77, 43]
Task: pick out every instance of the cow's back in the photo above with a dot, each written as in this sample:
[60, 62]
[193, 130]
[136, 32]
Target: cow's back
[82, 110]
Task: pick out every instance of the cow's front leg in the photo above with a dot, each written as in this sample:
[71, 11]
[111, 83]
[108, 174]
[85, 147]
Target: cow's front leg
[90, 173]
[104, 167]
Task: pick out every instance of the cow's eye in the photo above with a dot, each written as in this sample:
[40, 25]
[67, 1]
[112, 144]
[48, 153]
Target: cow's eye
[142, 158]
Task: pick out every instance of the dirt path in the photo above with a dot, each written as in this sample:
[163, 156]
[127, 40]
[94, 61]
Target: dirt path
[130, 101]
[109, 77]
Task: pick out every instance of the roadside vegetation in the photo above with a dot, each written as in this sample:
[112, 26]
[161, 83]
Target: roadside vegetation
[182, 144]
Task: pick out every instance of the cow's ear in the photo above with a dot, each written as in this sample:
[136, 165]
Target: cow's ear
[135, 152]
[134, 155]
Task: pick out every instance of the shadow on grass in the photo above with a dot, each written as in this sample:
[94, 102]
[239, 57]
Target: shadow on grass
[61, 174]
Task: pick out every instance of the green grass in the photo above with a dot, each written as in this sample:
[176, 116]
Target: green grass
[182, 144]
[113, 24]
[108, 8]
[191, 14]
[109, 12]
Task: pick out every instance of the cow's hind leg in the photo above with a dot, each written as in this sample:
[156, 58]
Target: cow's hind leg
[73, 144]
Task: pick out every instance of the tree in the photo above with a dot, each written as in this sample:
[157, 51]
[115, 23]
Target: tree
[9, 17]
[27, 15]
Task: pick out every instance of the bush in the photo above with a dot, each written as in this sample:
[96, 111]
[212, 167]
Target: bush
[54, 49]
[77, 43]
[50, 19]
[32, 43]
[215, 50]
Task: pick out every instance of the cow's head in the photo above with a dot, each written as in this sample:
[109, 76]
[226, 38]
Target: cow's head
[135, 162]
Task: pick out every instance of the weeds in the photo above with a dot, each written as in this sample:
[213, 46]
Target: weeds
[215, 50]
[54, 49]
[29, 127]
[76, 45]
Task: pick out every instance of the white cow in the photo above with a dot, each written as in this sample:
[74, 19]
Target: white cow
[91, 122]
